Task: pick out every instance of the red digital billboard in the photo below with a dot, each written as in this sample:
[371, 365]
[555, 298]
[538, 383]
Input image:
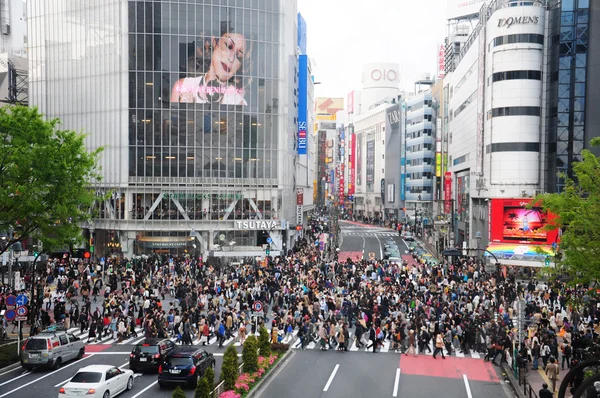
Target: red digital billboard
[512, 222]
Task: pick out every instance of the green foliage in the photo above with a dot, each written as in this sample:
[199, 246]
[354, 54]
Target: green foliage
[250, 355]
[45, 177]
[8, 355]
[202, 390]
[229, 370]
[264, 342]
[209, 375]
[178, 393]
[577, 209]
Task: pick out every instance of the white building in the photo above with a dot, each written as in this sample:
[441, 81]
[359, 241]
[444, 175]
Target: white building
[496, 107]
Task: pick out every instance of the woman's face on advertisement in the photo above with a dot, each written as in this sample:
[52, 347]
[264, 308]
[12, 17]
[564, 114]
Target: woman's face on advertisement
[228, 55]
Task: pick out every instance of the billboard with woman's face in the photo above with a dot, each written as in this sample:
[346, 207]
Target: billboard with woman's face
[218, 72]
[204, 89]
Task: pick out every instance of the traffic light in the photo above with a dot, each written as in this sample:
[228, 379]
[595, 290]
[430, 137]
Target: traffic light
[547, 261]
[87, 255]
[268, 250]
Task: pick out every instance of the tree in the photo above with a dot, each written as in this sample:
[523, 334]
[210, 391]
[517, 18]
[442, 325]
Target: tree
[229, 369]
[577, 210]
[209, 375]
[264, 342]
[202, 390]
[45, 177]
[250, 354]
[178, 393]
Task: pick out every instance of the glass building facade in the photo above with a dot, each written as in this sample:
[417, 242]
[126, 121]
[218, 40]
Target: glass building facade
[566, 82]
[193, 102]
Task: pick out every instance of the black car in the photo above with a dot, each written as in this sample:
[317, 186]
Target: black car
[184, 366]
[149, 354]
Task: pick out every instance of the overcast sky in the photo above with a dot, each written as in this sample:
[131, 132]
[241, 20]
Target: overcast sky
[345, 34]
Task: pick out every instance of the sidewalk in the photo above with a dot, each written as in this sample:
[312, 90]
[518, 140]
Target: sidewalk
[535, 379]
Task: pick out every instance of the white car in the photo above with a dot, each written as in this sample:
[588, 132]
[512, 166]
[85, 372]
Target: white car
[98, 381]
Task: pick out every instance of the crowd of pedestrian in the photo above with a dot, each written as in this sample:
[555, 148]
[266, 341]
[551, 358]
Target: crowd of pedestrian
[413, 306]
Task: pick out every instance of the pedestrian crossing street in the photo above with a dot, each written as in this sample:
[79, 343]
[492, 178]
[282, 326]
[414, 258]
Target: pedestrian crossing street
[369, 233]
[291, 339]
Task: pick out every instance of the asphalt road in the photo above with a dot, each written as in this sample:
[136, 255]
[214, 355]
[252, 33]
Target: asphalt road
[367, 241]
[46, 383]
[339, 375]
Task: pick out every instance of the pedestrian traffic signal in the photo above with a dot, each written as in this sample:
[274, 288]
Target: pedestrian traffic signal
[268, 250]
[86, 254]
[547, 261]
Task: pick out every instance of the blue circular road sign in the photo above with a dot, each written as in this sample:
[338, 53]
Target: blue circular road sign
[269, 240]
[22, 300]
[11, 300]
[10, 315]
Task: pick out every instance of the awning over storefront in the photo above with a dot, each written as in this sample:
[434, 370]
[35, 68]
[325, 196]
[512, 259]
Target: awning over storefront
[521, 254]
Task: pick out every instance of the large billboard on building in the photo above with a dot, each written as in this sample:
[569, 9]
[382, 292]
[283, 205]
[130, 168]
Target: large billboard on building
[203, 90]
[302, 34]
[328, 106]
[510, 221]
[461, 8]
[302, 103]
[370, 161]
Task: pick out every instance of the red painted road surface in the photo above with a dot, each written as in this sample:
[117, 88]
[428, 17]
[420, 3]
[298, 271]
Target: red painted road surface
[343, 256]
[451, 367]
[96, 347]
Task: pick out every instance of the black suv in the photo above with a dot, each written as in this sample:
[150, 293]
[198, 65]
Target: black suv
[149, 354]
[184, 365]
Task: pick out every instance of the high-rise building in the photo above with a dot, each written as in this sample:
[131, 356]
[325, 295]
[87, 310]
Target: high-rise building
[327, 136]
[194, 104]
[520, 111]
[13, 52]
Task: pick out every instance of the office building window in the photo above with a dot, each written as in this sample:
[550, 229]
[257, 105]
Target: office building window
[515, 111]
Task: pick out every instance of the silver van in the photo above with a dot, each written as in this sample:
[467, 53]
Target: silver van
[50, 349]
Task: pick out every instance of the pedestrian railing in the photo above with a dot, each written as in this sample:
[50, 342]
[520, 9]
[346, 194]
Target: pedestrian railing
[524, 385]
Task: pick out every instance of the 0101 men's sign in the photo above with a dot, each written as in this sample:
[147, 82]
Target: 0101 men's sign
[508, 22]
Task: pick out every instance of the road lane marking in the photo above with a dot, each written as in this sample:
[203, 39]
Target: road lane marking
[380, 247]
[15, 378]
[396, 383]
[43, 377]
[469, 395]
[145, 389]
[330, 378]
[17, 366]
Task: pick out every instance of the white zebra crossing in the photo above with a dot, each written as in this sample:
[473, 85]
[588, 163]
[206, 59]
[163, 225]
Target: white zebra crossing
[292, 339]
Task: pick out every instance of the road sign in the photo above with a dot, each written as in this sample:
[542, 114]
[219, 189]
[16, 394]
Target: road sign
[22, 311]
[21, 318]
[269, 240]
[257, 306]
[22, 300]
[11, 301]
[10, 315]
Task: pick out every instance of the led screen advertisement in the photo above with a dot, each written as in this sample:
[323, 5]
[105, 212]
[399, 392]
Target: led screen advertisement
[359, 158]
[511, 221]
[203, 89]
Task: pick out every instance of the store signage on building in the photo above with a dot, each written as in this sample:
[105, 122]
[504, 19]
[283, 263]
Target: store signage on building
[438, 164]
[441, 61]
[300, 196]
[370, 162]
[394, 117]
[384, 74]
[302, 103]
[525, 20]
[341, 184]
[383, 190]
[202, 195]
[391, 193]
[299, 215]
[257, 225]
[351, 165]
[448, 192]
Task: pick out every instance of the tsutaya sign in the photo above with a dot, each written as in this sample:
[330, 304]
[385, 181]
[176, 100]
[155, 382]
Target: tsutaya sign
[508, 22]
[257, 225]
